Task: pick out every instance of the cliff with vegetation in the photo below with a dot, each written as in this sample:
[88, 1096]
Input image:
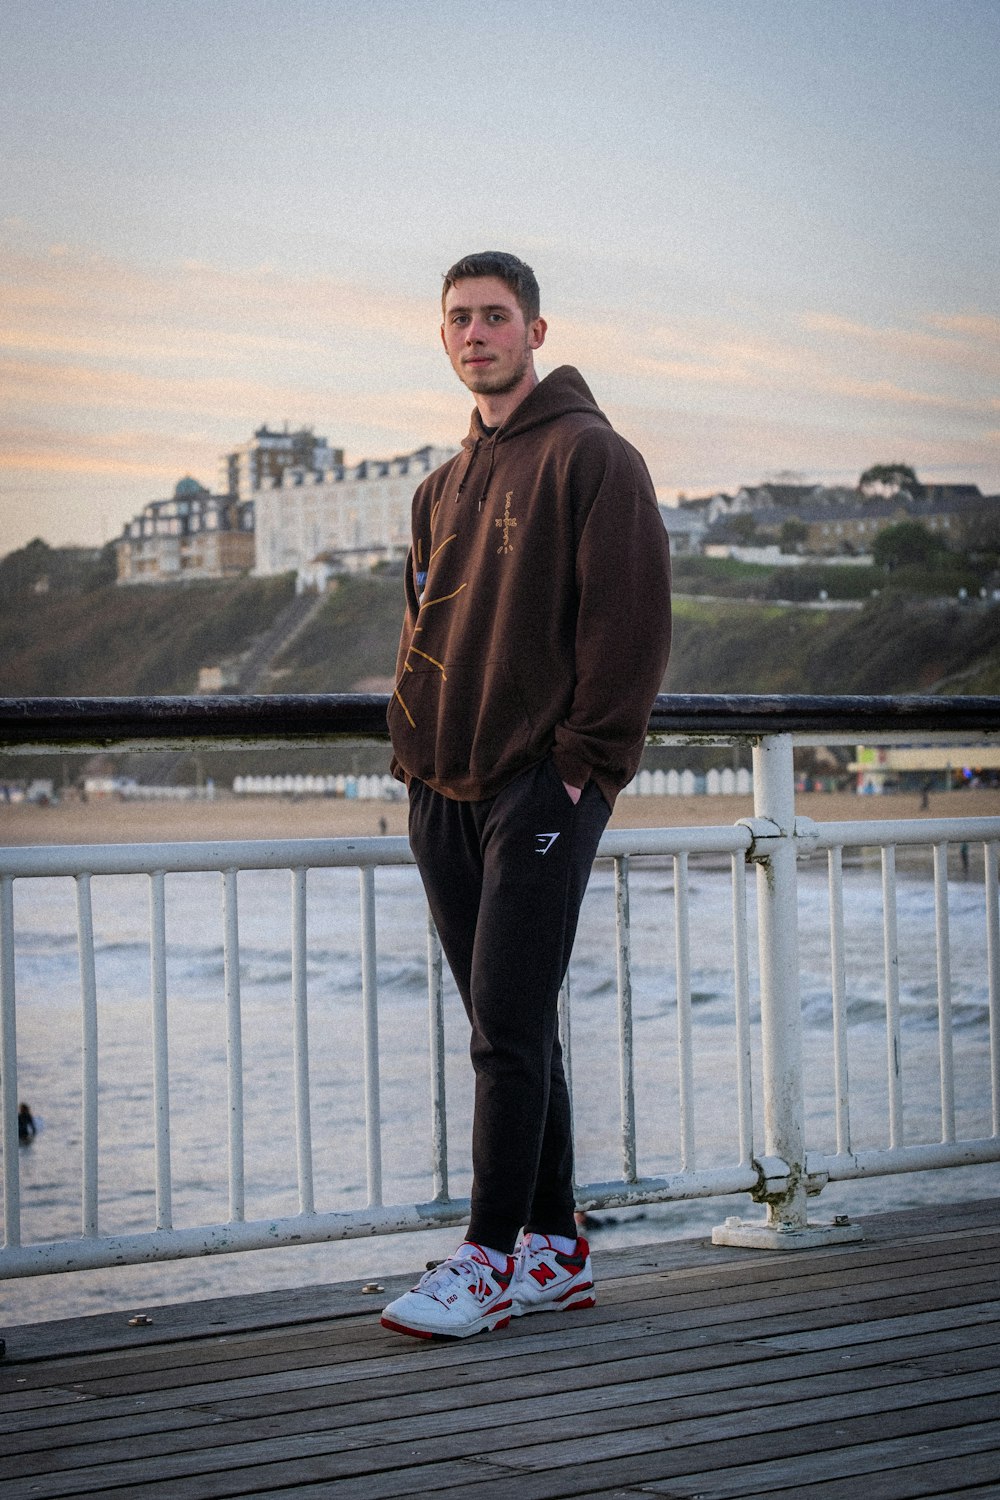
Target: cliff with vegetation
[737, 629]
[67, 629]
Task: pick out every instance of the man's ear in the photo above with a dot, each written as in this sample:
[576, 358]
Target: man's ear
[443, 339]
[537, 330]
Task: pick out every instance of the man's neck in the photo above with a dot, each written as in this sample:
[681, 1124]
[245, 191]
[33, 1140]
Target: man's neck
[495, 409]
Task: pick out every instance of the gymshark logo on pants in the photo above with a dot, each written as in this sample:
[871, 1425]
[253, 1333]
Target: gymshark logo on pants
[545, 842]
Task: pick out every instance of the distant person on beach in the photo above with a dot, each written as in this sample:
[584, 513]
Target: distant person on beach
[26, 1127]
[535, 639]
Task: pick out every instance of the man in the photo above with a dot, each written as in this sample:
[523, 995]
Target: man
[535, 638]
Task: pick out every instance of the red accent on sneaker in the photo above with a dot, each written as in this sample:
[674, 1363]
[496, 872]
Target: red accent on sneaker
[546, 1278]
[573, 1291]
[460, 1296]
[542, 1274]
[416, 1333]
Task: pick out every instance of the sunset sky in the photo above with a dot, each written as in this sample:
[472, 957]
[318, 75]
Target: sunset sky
[766, 231]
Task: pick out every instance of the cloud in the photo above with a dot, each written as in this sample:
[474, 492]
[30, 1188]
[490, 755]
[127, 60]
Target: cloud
[86, 342]
[792, 363]
[189, 310]
[976, 325]
[944, 349]
[112, 373]
[895, 395]
[702, 451]
[123, 451]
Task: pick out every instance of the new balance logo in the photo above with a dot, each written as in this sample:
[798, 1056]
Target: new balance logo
[543, 1274]
[545, 842]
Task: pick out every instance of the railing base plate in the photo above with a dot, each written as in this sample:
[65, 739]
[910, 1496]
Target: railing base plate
[753, 1234]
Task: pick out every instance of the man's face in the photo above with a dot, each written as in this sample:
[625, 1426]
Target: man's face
[486, 338]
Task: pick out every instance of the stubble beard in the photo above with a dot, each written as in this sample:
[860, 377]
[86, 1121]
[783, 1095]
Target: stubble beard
[488, 383]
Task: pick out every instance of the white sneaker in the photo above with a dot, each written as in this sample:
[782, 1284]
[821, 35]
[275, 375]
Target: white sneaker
[465, 1294]
[546, 1280]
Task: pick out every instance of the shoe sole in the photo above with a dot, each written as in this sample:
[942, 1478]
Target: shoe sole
[487, 1325]
[576, 1304]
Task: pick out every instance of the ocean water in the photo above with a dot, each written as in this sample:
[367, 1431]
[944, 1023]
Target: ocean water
[49, 1041]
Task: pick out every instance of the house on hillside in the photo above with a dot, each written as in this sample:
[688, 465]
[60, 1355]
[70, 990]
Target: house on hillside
[763, 498]
[192, 535]
[839, 521]
[955, 512]
[848, 529]
[686, 526]
[950, 511]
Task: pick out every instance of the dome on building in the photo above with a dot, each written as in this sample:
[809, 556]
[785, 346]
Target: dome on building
[187, 487]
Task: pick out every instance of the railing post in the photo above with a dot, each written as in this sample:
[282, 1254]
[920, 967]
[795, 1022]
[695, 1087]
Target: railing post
[782, 1167]
[780, 999]
[8, 1069]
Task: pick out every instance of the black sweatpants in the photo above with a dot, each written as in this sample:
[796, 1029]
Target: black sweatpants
[504, 880]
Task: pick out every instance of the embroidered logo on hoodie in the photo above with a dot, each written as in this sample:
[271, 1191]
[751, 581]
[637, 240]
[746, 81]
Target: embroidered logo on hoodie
[506, 521]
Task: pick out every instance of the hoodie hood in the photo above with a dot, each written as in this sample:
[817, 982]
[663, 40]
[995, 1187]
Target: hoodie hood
[561, 392]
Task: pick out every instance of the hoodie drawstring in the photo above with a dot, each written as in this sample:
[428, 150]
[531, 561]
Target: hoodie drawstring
[483, 488]
[489, 476]
[469, 461]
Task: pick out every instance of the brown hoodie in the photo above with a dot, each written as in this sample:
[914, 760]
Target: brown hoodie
[537, 604]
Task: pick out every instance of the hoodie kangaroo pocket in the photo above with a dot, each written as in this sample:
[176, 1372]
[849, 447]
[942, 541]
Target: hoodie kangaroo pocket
[462, 721]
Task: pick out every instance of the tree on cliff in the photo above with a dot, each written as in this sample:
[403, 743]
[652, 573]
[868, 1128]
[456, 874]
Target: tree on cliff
[21, 570]
[888, 479]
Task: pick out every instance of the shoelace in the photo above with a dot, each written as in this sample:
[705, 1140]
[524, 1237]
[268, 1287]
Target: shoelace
[525, 1260]
[463, 1266]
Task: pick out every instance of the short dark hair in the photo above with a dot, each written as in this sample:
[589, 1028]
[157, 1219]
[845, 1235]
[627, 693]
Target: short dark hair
[517, 276]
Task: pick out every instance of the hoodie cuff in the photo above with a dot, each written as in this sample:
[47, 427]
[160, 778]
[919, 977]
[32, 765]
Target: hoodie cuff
[570, 767]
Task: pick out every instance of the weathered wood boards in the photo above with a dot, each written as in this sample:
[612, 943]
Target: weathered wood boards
[702, 1372]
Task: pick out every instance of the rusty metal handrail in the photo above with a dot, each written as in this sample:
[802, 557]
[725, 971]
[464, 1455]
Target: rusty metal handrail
[224, 721]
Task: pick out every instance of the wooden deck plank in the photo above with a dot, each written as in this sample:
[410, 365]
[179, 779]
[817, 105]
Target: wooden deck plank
[698, 1373]
[255, 1312]
[945, 1352]
[657, 1473]
[284, 1395]
[632, 1419]
[804, 1329]
[914, 1481]
[713, 1441]
[986, 1491]
[705, 1358]
[691, 1348]
[809, 1374]
[342, 1341]
[954, 1451]
[850, 1468]
[600, 1410]
[326, 1304]
[156, 1368]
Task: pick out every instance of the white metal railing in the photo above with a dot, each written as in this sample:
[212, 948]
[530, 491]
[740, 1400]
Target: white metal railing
[767, 1156]
[888, 836]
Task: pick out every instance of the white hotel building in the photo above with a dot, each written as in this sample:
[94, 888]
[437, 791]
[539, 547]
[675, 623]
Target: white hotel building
[319, 522]
[287, 503]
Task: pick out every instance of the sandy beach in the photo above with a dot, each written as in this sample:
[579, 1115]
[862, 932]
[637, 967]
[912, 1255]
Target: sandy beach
[107, 821]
